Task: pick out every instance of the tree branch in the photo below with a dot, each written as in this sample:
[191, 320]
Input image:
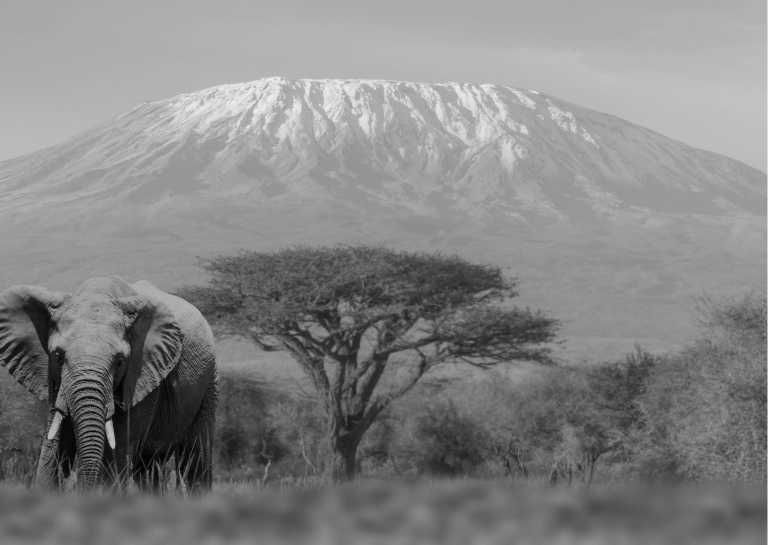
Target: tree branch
[392, 349]
[369, 381]
[258, 341]
[383, 401]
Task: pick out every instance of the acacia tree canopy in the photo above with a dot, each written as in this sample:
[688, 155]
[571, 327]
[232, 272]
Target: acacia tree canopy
[335, 295]
[343, 312]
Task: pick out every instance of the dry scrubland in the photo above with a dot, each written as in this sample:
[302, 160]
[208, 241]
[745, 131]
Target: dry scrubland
[450, 458]
[369, 512]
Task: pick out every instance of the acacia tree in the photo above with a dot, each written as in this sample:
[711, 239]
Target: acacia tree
[347, 314]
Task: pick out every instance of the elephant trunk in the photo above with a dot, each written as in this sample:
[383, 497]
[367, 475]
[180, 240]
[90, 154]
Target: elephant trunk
[91, 407]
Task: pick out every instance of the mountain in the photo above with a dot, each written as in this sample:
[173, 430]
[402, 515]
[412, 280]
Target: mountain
[611, 226]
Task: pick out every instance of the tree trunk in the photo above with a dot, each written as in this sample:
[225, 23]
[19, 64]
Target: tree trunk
[343, 459]
[521, 465]
[591, 473]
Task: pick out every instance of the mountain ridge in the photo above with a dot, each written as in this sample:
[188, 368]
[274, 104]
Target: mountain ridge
[477, 125]
[577, 203]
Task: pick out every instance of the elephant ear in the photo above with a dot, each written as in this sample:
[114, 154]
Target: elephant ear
[25, 324]
[155, 339]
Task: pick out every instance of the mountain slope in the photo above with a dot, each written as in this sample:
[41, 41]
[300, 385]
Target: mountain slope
[610, 225]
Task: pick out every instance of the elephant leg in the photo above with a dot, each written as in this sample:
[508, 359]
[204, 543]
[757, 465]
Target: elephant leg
[47, 472]
[117, 468]
[149, 471]
[56, 456]
[194, 457]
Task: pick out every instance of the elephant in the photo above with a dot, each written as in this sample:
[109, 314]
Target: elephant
[124, 364]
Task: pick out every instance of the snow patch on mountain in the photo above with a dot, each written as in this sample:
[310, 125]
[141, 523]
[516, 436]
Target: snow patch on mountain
[567, 122]
[525, 100]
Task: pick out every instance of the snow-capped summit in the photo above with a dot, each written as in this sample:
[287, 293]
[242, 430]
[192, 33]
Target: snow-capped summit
[566, 195]
[428, 147]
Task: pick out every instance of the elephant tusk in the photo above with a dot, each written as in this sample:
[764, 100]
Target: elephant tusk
[58, 418]
[110, 431]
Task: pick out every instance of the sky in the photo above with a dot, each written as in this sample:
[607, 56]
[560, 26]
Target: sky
[694, 70]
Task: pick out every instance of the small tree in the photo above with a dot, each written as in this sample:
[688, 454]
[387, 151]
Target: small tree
[347, 314]
[615, 393]
[245, 434]
[705, 407]
[450, 443]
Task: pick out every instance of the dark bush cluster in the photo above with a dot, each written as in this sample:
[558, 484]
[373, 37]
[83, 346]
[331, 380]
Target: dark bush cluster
[22, 419]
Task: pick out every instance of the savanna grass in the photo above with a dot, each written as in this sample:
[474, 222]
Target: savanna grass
[424, 512]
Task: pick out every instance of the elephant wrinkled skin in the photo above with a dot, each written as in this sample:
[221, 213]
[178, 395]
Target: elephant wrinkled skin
[129, 373]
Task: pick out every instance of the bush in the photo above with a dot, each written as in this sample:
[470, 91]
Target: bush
[22, 424]
[247, 442]
[449, 443]
[706, 407]
[298, 421]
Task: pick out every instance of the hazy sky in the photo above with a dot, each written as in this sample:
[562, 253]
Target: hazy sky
[694, 70]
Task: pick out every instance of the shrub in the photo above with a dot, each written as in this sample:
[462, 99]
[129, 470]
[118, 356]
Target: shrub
[706, 406]
[246, 441]
[449, 442]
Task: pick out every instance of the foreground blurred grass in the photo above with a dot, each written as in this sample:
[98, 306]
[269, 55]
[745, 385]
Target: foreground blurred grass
[445, 512]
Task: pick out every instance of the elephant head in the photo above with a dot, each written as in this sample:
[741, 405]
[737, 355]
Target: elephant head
[85, 352]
